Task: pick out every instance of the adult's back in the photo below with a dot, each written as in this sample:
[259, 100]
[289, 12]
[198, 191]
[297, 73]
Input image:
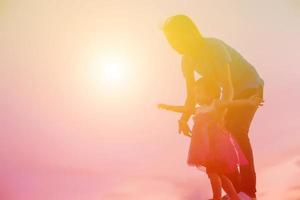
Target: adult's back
[243, 74]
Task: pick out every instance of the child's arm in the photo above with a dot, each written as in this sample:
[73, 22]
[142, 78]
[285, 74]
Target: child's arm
[252, 101]
[179, 109]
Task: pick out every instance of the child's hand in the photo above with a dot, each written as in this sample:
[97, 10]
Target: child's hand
[163, 106]
[256, 100]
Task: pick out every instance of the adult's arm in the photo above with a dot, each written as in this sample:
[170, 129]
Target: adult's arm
[226, 82]
[222, 70]
[222, 73]
[188, 73]
[252, 101]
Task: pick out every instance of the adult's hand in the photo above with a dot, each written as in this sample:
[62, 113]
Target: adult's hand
[255, 100]
[184, 128]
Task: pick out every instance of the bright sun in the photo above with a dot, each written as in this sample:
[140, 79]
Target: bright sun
[113, 73]
[109, 71]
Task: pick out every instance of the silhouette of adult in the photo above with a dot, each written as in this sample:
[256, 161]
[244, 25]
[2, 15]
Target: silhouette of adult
[211, 57]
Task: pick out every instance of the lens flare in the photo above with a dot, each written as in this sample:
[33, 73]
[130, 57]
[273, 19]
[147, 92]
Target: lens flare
[108, 72]
[113, 73]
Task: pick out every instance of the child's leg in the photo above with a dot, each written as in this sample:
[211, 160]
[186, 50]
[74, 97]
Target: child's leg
[216, 185]
[228, 187]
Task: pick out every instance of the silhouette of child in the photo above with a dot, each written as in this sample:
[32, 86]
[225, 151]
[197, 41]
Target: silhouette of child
[212, 148]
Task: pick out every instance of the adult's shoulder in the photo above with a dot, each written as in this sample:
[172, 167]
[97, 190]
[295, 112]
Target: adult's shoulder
[213, 42]
[218, 51]
[217, 46]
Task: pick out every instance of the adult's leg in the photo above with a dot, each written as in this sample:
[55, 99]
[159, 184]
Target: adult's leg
[228, 187]
[247, 172]
[238, 122]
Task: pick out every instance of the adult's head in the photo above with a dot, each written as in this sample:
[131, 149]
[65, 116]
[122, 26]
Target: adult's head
[182, 34]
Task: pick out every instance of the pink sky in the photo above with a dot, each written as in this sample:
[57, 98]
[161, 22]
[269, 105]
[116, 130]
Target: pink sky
[66, 136]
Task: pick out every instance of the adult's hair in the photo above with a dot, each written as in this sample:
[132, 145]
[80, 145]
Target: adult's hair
[180, 26]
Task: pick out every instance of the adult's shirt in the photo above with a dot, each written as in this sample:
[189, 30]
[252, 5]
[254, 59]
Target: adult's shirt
[216, 54]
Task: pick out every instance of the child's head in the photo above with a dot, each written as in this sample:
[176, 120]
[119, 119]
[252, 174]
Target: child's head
[206, 91]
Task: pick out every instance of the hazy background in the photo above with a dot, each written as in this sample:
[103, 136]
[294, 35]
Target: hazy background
[67, 134]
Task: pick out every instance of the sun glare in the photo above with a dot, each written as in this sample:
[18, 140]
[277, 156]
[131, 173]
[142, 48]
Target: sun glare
[113, 73]
[109, 72]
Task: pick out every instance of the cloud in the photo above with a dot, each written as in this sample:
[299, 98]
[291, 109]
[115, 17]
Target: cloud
[280, 181]
[295, 188]
[145, 189]
[294, 192]
[159, 186]
[297, 162]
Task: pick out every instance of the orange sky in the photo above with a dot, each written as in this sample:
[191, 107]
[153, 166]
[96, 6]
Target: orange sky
[66, 135]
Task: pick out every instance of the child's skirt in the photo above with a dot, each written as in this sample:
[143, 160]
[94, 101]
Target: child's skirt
[212, 148]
